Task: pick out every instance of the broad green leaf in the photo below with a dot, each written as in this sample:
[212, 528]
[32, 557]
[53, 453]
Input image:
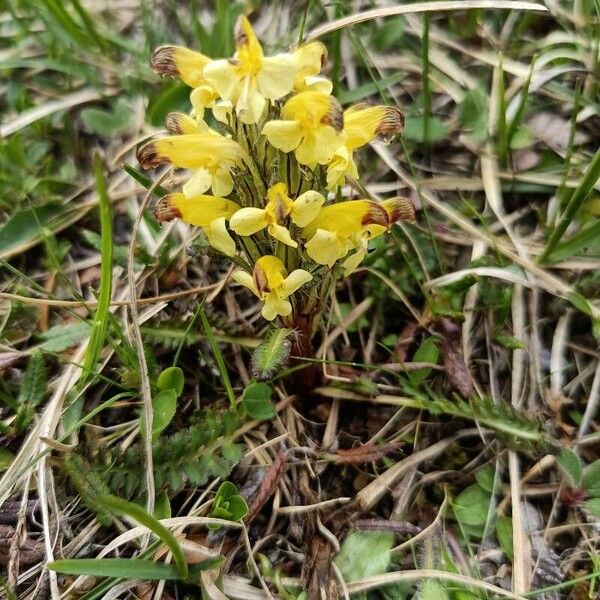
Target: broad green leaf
[365, 553]
[427, 352]
[593, 505]
[473, 113]
[414, 129]
[171, 379]
[471, 506]
[257, 402]
[108, 122]
[162, 506]
[272, 354]
[485, 478]
[127, 568]
[389, 33]
[228, 504]
[6, 458]
[164, 407]
[504, 532]
[570, 463]
[29, 226]
[590, 480]
[61, 337]
[34, 383]
[432, 589]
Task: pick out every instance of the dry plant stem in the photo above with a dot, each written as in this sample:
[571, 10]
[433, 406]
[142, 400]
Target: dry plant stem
[137, 335]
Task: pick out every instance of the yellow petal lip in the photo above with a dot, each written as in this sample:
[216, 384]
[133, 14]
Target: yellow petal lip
[276, 78]
[284, 135]
[244, 279]
[312, 57]
[218, 236]
[306, 207]
[198, 183]
[294, 281]
[312, 109]
[222, 75]
[325, 247]
[180, 62]
[281, 234]
[247, 221]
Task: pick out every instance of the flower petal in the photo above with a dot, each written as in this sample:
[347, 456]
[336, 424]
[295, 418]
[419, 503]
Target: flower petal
[251, 109]
[295, 280]
[352, 262]
[319, 146]
[248, 221]
[280, 233]
[219, 238]
[177, 123]
[285, 135]
[276, 77]
[325, 247]
[322, 85]
[244, 279]
[222, 182]
[198, 183]
[306, 207]
[340, 166]
[275, 306]
[181, 62]
[223, 76]
[199, 211]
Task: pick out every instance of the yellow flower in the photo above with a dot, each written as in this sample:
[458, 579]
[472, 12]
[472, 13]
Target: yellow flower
[279, 207]
[362, 124]
[178, 123]
[311, 125]
[250, 78]
[211, 156]
[350, 225]
[271, 283]
[180, 62]
[209, 212]
[312, 57]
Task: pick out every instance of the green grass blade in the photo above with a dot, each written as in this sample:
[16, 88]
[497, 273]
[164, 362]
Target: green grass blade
[518, 118]
[582, 191]
[580, 240]
[425, 78]
[100, 324]
[212, 342]
[114, 504]
[127, 568]
[502, 143]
